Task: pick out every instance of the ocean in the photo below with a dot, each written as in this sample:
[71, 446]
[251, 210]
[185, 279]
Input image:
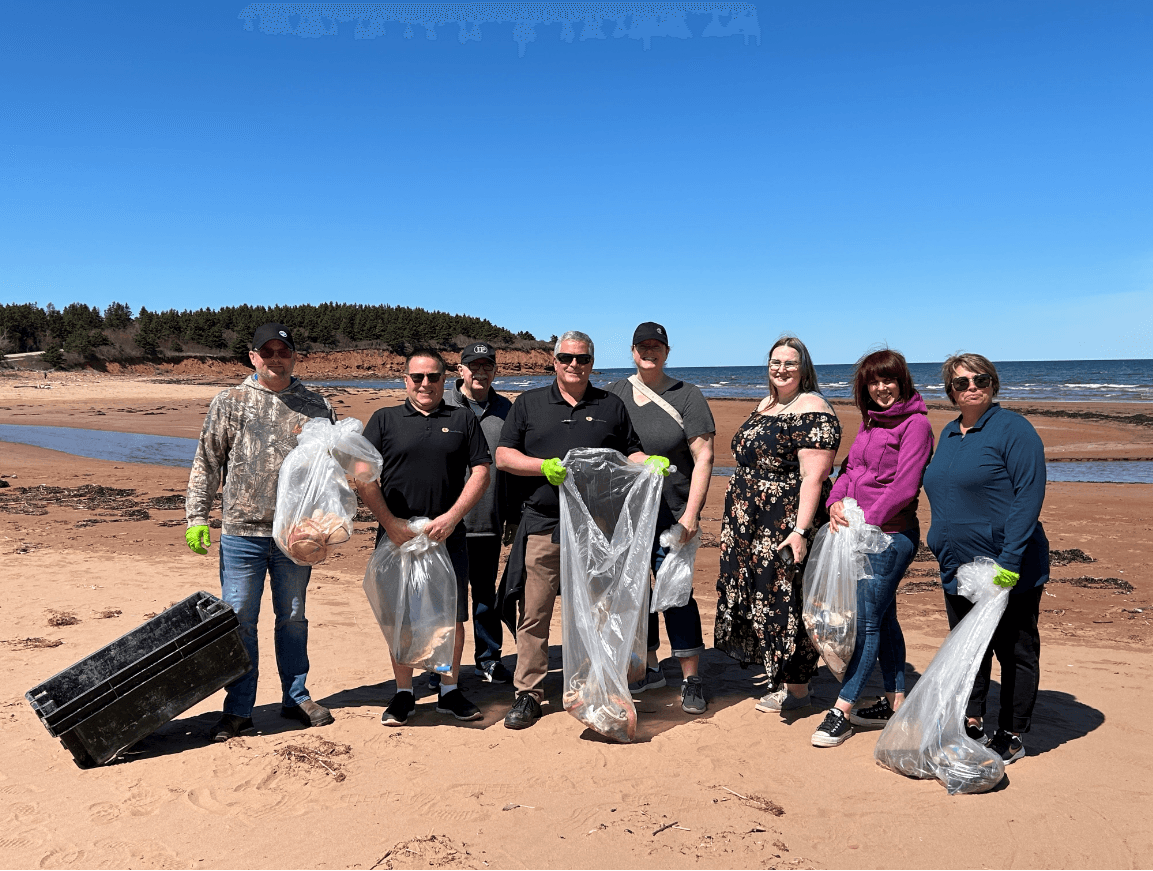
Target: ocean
[1046, 380]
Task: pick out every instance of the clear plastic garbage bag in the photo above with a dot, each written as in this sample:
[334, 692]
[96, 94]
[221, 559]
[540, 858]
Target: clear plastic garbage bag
[314, 504]
[608, 517]
[674, 583]
[838, 560]
[412, 592]
[926, 737]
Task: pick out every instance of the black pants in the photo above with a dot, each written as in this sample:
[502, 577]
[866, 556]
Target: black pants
[483, 560]
[1017, 645]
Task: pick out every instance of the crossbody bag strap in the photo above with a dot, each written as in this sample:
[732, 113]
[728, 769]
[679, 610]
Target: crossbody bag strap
[660, 403]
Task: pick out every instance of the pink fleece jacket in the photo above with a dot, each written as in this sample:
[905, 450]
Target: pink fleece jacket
[885, 465]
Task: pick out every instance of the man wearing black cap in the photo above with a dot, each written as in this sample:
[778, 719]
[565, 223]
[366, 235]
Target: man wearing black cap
[248, 432]
[473, 390]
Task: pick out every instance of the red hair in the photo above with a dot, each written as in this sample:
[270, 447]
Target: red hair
[886, 364]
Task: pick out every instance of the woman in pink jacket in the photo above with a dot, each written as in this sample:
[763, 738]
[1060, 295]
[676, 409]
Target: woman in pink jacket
[883, 474]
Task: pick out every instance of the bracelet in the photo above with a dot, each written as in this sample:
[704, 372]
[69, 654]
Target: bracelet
[801, 532]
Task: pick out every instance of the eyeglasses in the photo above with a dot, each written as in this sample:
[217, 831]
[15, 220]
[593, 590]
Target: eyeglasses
[787, 365]
[961, 383]
[480, 366]
[269, 353]
[582, 359]
[418, 377]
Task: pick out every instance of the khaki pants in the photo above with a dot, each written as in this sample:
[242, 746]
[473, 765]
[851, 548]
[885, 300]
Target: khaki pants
[541, 585]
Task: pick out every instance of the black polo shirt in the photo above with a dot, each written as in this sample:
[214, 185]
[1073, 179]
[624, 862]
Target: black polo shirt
[541, 424]
[425, 457]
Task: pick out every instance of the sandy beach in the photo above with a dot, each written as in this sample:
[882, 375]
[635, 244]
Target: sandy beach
[93, 548]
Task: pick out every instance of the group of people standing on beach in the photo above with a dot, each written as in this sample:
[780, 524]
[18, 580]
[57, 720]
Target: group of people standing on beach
[985, 483]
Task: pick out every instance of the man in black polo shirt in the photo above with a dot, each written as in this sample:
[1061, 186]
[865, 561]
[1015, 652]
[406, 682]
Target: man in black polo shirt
[542, 427]
[429, 449]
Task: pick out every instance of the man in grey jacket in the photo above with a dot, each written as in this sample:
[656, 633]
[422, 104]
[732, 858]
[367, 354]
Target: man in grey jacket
[483, 524]
[248, 432]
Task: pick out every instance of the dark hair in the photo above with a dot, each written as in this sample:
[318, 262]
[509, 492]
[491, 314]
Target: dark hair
[872, 367]
[974, 363]
[430, 353]
[808, 373]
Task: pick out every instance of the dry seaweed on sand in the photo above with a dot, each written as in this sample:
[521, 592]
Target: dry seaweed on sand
[319, 754]
[62, 618]
[33, 643]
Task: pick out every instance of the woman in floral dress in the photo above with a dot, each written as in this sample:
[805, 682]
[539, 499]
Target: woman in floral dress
[776, 499]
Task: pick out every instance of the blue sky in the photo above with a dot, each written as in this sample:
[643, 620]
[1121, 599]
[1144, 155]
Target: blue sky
[934, 175]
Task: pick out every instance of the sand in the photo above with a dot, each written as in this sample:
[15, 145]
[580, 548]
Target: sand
[732, 788]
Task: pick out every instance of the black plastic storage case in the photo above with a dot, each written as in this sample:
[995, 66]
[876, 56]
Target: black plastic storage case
[133, 686]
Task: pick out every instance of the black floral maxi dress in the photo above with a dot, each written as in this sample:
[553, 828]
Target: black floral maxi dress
[758, 609]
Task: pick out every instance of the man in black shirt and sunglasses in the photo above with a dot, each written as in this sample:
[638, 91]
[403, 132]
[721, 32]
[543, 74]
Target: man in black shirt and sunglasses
[542, 427]
[436, 465]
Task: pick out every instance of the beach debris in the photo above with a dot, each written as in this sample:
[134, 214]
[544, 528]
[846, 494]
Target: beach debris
[759, 802]
[107, 614]
[319, 753]
[33, 643]
[62, 618]
[430, 851]
[511, 806]
[1067, 557]
[1087, 583]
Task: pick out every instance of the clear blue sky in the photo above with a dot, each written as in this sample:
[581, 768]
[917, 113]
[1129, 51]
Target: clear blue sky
[935, 175]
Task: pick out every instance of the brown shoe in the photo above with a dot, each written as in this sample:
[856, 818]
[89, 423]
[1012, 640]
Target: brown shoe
[307, 713]
[229, 727]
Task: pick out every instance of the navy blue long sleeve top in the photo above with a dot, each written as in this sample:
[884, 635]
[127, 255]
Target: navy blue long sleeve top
[985, 491]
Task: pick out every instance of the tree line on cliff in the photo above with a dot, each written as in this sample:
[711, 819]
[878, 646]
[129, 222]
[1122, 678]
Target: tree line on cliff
[79, 331]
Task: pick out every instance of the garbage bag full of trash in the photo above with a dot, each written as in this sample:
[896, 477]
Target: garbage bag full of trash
[608, 515]
[314, 503]
[837, 562]
[926, 737]
[412, 592]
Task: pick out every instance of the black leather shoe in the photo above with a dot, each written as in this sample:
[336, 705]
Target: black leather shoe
[230, 726]
[524, 713]
[307, 713]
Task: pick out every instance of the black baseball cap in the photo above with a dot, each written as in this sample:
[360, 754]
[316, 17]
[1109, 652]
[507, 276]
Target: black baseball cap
[649, 330]
[266, 333]
[478, 351]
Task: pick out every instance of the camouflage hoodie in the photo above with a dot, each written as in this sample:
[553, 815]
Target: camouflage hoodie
[248, 432]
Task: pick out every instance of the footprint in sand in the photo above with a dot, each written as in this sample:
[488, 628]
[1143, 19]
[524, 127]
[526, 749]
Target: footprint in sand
[103, 812]
[28, 813]
[142, 803]
[62, 857]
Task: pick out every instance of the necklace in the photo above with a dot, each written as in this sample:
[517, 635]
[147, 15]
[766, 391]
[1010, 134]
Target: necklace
[787, 404]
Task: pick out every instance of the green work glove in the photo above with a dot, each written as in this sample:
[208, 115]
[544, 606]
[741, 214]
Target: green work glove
[660, 465]
[553, 471]
[1006, 578]
[198, 539]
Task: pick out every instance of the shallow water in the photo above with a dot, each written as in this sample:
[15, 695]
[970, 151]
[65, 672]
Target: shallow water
[129, 447]
[123, 447]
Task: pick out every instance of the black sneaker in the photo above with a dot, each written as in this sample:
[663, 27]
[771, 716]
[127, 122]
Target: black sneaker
[833, 731]
[524, 713]
[434, 681]
[877, 714]
[977, 733]
[1007, 745]
[693, 696]
[493, 672]
[229, 727]
[398, 710]
[456, 704]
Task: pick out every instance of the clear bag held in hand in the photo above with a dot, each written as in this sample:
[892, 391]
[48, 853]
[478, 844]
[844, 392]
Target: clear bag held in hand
[412, 592]
[837, 562]
[674, 581]
[926, 737]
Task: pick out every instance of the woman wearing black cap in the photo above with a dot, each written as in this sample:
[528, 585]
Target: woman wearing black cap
[673, 420]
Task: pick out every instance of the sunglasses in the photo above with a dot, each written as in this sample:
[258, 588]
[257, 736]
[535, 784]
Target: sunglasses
[979, 381]
[269, 353]
[582, 359]
[418, 377]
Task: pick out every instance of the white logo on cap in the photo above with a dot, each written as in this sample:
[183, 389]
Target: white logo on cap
[284, 334]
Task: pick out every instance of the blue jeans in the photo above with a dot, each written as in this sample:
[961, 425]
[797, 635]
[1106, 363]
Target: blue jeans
[244, 562]
[683, 624]
[483, 562]
[878, 632]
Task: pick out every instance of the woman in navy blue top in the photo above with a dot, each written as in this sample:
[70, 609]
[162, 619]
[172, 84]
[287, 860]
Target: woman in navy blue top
[986, 485]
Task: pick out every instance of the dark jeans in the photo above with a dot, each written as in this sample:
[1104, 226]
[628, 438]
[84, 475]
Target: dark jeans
[683, 624]
[1017, 645]
[878, 632]
[483, 560]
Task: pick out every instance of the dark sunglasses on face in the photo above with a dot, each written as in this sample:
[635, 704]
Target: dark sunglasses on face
[418, 377]
[961, 383]
[582, 359]
[269, 353]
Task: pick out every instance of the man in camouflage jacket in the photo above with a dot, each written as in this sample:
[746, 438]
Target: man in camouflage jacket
[248, 432]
